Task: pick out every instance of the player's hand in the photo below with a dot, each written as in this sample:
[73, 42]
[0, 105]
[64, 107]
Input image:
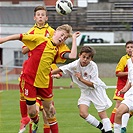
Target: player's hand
[57, 76]
[123, 91]
[76, 34]
[78, 75]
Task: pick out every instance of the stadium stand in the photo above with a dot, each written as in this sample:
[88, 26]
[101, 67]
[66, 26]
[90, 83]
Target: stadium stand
[117, 17]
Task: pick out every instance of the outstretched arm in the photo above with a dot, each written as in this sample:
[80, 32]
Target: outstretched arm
[56, 71]
[73, 53]
[9, 38]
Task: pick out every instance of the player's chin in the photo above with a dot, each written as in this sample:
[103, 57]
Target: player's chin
[84, 64]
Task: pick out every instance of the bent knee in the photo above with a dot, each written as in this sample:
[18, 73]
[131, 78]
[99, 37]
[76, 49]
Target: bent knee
[83, 115]
[119, 113]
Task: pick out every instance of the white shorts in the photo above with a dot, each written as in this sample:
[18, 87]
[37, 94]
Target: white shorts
[128, 99]
[96, 96]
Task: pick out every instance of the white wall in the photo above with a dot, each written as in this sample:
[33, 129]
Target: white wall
[84, 3]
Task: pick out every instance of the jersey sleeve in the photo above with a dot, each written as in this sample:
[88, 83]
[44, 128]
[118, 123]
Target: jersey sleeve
[31, 40]
[63, 48]
[121, 65]
[130, 74]
[54, 66]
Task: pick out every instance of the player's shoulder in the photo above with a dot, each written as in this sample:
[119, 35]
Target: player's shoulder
[49, 27]
[75, 63]
[93, 63]
[125, 57]
[31, 29]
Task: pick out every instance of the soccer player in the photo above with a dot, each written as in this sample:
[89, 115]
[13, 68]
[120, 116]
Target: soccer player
[122, 73]
[36, 76]
[41, 27]
[84, 73]
[50, 124]
[127, 104]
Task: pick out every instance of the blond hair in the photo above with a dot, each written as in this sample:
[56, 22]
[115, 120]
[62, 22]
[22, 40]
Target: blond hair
[67, 28]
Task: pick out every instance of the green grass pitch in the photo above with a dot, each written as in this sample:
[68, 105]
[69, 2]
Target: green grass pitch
[66, 108]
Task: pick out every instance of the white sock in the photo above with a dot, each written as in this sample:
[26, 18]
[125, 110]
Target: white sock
[106, 124]
[92, 120]
[125, 118]
[117, 128]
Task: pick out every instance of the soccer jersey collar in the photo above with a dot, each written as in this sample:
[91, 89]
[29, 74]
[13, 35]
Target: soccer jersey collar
[127, 56]
[44, 26]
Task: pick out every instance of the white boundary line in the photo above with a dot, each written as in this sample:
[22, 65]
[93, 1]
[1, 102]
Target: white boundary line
[111, 87]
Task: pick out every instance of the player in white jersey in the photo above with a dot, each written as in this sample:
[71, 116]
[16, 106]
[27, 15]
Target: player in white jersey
[127, 104]
[84, 73]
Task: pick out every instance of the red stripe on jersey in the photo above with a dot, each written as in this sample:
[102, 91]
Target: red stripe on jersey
[46, 33]
[32, 32]
[20, 37]
[31, 67]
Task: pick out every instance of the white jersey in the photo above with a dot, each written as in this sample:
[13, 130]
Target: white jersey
[130, 69]
[97, 95]
[128, 96]
[89, 72]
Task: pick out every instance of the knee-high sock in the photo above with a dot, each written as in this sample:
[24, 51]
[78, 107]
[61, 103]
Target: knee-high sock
[125, 118]
[92, 120]
[53, 125]
[112, 117]
[23, 108]
[117, 128]
[46, 128]
[106, 124]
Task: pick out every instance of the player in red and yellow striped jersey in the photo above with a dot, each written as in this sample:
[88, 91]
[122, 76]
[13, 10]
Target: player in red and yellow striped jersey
[41, 27]
[50, 124]
[36, 76]
[122, 74]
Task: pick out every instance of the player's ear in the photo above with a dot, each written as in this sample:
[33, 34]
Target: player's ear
[34, 18]
[46, 18]
[54, 32]
[79, 55]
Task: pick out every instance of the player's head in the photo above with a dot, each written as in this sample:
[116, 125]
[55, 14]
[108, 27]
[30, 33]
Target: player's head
[86, 55]
[40, 15]
[129, 47]
[62, 33]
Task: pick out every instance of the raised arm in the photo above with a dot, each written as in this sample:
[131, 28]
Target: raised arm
[9, 38]
[73, 53]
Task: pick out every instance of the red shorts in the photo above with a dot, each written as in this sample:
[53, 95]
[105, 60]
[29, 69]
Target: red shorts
[117, 95]
[31, 92]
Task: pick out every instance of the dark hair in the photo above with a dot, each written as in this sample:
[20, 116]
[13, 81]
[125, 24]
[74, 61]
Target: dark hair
[39, 8]
[87, 49]
[129, 42]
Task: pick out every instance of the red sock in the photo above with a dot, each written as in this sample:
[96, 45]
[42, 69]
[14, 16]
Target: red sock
[46, 128]
[30, 127]
[112, 117]
[23, 108]
[54, 128]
